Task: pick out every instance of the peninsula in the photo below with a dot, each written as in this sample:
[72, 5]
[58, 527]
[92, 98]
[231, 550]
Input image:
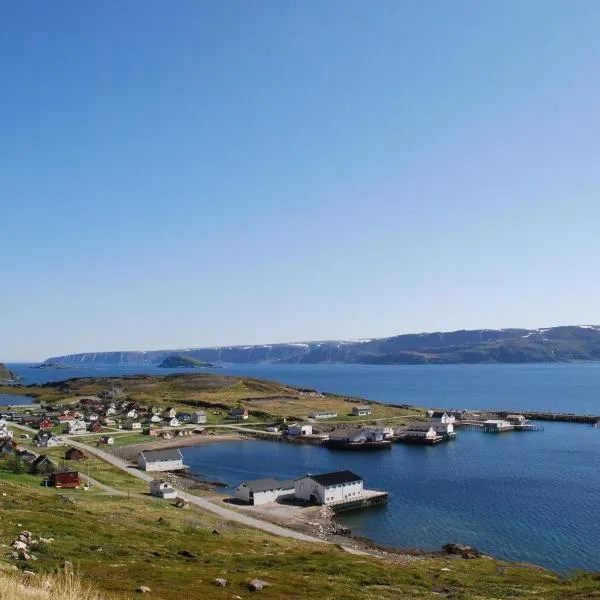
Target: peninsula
[5, 374]
[545, 345]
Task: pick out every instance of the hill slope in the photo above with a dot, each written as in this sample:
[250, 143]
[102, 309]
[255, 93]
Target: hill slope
[5, 374]
[552, 344]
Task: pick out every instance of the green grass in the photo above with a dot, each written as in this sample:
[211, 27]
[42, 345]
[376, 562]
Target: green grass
[121, 544]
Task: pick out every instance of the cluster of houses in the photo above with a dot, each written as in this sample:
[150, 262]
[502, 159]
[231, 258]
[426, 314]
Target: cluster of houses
[335, 489]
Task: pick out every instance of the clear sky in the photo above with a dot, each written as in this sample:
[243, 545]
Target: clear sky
[191, 173]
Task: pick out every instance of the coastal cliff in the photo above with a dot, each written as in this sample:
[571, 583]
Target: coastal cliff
[552, 344]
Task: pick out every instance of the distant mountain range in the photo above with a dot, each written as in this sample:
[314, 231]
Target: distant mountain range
[552, 344]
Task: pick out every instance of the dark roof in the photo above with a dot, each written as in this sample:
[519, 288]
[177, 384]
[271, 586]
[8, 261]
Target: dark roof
[238, 411]
[156, 455]
[335, 478]
[438, 414]
[267, 483]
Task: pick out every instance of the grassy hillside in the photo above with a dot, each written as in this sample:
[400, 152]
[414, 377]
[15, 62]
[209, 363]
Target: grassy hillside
[185, 391]
[5, 374]
[118, 545]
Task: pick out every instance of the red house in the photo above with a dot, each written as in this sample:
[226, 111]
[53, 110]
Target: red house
[95, 427]
[45, 423]
[66, 479]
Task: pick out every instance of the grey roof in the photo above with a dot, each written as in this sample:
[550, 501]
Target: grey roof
[335, 478]
[157, 455]
[438, 414]
[267, 483]
[362, 407]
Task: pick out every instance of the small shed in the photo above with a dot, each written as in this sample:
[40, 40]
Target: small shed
[162, 489]
[65, 479]
[361, 411]
[75, 454]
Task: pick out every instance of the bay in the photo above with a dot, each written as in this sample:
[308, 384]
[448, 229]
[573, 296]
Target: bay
[521, 496]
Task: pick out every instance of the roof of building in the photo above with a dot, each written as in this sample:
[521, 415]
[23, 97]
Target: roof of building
[267, 483]
[335, 478]
[346, 433]
[420, 426]
[362, 407]
[438, 414]
[238, 411]
[156, 455]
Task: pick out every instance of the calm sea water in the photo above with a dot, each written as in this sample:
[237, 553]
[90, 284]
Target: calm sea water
[522, 496]
[546, 387]
[14, 399]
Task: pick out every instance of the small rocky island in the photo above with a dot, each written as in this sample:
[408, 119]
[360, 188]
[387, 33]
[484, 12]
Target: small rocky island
[52, 365]
[6, 375]
[178, 361]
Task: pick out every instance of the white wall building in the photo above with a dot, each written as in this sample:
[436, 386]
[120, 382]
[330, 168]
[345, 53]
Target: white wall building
[299, 429]
[422, 430]
[329, 488]
[162, 489]
[442, 417]
[263, 491]
[77, 426]
[198, 417]
[361, 411]
[323, 414]
[160, 460]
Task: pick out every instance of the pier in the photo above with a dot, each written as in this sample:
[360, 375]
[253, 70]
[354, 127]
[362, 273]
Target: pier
[368, 499]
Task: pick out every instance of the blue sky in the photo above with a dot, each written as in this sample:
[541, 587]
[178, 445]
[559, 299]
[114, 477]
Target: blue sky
[191, 173]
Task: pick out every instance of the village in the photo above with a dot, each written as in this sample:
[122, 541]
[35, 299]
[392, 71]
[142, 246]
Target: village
[109, 419]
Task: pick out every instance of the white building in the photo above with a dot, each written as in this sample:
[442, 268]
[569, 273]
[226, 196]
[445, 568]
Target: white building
[437, 416]
[272, 429]
[170, 412]
[133, 425]
[361, 411]
[516, 419]
[263, 491]
[198, 417]
[329, 488]
[162, 489]
[77, 426]
[131, 414]
[323, 414]
[160, 460]
[354, 436]
[386, 432]
[443, 428]
[299, 429]
[174, 422]
[424, 431]
[155, 419]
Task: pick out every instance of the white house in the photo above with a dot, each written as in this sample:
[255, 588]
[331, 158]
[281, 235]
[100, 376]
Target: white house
[272, 429]
[174, 422]
[111, 410]
[262, 491]
[353, 436]
[299, 429]
[170, 412]
[45, 439]
[437, 416]
[162, 489]
[443, 428]
[516, 419]
[155, 419]
[497, 425]
[198, 417]
[385, 432]
[425, 431]
[361, 411]
[77, 426]
[93, 417]
[329, 488]
[131, 414]
[133, 425]
[323, 414]
[160, 460]
[238, 414]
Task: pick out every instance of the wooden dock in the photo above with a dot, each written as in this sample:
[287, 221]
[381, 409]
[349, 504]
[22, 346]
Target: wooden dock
[367, 500]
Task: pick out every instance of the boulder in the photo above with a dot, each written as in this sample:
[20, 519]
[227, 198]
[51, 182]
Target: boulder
[221, 582]
[19, 545]
[143, 589]
[256, 585]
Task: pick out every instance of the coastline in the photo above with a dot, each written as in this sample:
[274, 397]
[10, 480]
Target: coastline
[131, 450]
